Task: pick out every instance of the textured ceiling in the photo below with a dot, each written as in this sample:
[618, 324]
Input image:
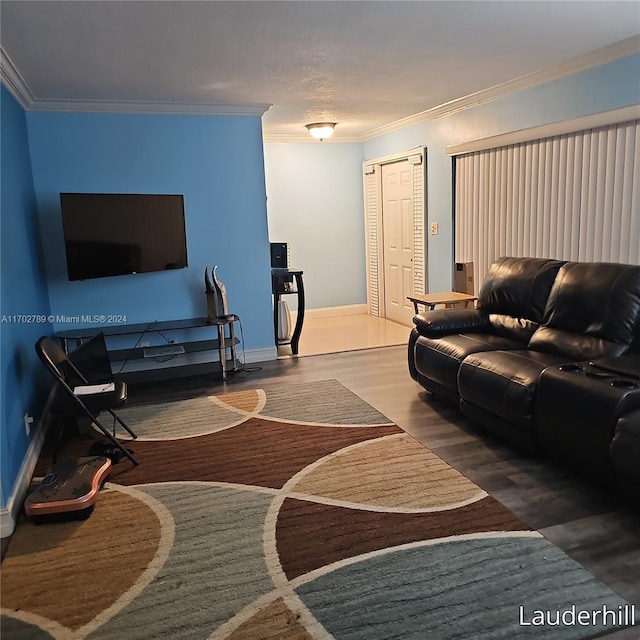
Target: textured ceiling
[361, 64]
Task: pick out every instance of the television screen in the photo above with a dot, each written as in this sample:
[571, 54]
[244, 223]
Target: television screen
[110, 234]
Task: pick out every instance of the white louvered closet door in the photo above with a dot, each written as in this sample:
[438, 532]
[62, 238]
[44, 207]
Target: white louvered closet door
[372, 215]
[572, 197]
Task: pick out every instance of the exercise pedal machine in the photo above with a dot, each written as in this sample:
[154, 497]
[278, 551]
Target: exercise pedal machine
[69, 490]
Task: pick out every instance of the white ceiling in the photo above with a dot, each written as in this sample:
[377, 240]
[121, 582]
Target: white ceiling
[361, 64]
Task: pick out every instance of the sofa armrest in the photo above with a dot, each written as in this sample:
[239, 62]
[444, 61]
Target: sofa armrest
[625, 450]
[442, 322]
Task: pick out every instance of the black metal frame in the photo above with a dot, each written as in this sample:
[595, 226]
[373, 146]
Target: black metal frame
[60, 365]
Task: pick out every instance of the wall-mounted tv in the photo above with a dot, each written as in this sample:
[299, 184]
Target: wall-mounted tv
[111, 234]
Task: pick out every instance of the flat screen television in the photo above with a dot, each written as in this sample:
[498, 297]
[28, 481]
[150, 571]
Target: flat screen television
[111, 234]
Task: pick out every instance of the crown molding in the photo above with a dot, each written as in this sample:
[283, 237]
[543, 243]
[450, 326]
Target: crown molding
[17, 86]
[14, 82]
[560, 128]
[615, 51]
[148, 107]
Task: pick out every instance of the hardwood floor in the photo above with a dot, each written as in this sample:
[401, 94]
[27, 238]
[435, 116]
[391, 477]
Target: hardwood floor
[333, 334]
[589, 523]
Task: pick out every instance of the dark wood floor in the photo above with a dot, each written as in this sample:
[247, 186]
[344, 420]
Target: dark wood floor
[590, 524]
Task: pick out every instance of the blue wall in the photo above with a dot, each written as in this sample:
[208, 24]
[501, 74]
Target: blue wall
[215, 161]
[314, 202]
[602, 88]
[25, 382]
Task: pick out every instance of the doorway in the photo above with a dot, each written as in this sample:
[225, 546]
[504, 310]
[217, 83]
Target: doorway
[395, 213]
[397, 243]
[325, 234]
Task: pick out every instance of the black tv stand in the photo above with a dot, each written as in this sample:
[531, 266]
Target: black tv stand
[225, 344]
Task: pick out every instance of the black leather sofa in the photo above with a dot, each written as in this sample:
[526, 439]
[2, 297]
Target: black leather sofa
[549, 360]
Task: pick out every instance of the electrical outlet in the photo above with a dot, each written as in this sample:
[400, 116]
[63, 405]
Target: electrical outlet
[434, 228]
[28, 421]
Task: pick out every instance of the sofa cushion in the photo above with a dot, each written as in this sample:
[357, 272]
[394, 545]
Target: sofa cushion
[439, 359]
[518, 287]
[520, 329]
[503, 383]
[575, 346]
[593, 311]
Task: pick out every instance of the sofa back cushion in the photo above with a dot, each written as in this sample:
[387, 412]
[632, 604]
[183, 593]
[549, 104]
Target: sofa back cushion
[593, 311]
[515, 292]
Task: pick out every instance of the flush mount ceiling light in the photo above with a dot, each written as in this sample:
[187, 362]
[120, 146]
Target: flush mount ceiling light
[321, 130]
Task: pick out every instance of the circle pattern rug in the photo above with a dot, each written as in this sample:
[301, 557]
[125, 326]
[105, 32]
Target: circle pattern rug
[294, 513]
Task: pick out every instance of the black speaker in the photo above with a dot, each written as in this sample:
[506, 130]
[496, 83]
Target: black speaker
[279, 255]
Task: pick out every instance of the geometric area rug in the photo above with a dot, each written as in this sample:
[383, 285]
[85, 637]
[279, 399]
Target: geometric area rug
[289, 514]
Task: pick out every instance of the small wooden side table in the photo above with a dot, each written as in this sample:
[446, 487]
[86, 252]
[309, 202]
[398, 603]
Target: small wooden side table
[448, 299]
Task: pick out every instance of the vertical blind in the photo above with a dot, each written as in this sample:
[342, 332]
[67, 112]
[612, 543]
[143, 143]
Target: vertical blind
[572, 197]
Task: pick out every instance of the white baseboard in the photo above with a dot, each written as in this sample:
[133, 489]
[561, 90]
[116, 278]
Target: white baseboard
[259, 355]
[331, 312]
[10, 514]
